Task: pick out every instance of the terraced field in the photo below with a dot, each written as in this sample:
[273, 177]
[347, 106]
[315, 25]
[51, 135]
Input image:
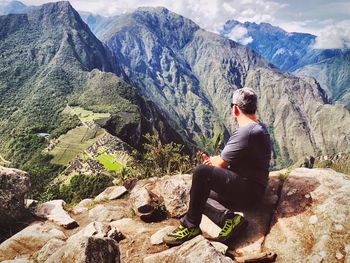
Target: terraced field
[109, 162]
[85, 115]
[73, 143]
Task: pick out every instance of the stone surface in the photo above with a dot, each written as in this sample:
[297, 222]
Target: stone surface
[174, 191]
[305, 227]
[142, 202]
[19, 260]
[13, 185]
[83, 206]
[129, 226]
[29, 240]
[222, 248]
[112, 192]
[196, 250]
[259, 218]
[157, 238]
[89, 245]
[209, 227]
[106, 213]
[48, 249]
[53, 211]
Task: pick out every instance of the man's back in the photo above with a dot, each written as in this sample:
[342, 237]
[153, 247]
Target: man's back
[248, 152]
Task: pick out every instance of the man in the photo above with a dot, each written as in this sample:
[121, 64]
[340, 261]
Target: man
[237, 177]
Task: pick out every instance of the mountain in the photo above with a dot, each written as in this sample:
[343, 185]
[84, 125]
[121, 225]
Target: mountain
[190, 74]
[294, 52]
[333, 75]
[14, 7]
[50, 60]
[283, 49]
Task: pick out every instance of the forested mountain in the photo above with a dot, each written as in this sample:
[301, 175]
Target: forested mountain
[191, 73]
[50, 59]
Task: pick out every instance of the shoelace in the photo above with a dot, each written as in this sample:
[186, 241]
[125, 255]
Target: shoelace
[227, 226]
[180, 232]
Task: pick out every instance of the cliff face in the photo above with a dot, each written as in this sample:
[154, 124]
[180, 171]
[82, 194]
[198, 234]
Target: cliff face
[190, 74]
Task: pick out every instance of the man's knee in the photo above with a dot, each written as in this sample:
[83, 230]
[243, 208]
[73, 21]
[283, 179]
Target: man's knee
[202, 172]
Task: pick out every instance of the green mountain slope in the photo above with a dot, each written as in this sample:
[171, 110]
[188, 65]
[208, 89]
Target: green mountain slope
[50, 58]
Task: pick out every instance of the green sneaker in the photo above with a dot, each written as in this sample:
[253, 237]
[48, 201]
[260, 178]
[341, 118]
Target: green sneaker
[232, 228]
[181, 235]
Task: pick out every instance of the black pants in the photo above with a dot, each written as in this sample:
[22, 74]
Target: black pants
[213, 190]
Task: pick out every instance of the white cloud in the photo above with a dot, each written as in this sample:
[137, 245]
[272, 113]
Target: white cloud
[240, 35]
[209, 14]
[334, 36]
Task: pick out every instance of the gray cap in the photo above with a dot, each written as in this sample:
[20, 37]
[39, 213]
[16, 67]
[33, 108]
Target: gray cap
[246, 99]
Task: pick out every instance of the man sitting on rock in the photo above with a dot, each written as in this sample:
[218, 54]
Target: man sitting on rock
[238, 177]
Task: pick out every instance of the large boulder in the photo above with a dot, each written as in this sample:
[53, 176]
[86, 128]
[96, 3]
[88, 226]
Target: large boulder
[175, 193]
[13, 185]
[111, 193]
[54, 211]
[311, 223]
[93, 244]
[29, 240]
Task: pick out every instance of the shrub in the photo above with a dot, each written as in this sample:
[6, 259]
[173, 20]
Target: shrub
[83, 186]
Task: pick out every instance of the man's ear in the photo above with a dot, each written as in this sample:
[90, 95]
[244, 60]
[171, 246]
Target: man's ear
[236, 110]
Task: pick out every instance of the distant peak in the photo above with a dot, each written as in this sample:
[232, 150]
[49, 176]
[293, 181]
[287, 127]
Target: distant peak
[158, 9]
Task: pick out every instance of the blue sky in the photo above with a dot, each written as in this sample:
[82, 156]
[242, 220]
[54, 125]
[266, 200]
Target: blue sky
[330, 20]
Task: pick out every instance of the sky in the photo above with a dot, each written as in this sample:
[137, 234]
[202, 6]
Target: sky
[329, 20]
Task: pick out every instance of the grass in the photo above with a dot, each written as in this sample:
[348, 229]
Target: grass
[73, 143]
[109, 162]
[85, 115]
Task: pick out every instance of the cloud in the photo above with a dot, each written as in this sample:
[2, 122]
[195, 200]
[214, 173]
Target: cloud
[211, 15]
[240, 35]
[336, 36]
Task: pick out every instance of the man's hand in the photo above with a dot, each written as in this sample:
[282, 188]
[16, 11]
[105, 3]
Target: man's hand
[214, 161]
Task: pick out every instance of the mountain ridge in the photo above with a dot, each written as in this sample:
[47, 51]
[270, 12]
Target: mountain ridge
[215, 66]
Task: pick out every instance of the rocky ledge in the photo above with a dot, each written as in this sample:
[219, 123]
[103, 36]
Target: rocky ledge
[13, 185]
[302, 218]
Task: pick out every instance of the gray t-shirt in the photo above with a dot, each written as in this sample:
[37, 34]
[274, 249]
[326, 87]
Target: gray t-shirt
[248, 153]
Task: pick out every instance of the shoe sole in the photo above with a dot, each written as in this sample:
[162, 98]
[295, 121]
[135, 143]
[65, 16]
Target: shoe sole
[178, 242]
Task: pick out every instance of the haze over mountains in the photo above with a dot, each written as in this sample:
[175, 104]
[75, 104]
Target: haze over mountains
[50, 58]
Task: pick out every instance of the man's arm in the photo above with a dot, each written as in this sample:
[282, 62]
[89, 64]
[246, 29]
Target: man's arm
[215, 161]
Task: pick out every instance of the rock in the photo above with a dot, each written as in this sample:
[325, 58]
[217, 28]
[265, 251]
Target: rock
[259, 219]
[13, 185]
[29, 240]
[106, 213]
[209, 227]
[174, 190]
[141, 199]
[222, 248]
[48, 249]
[303, 229]
[129, 226]
[89, 245]
[53, 210]
[83, 206]
[30, 203]
[111, 193]
[195, 250]
[157, 238]
[19, 260]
